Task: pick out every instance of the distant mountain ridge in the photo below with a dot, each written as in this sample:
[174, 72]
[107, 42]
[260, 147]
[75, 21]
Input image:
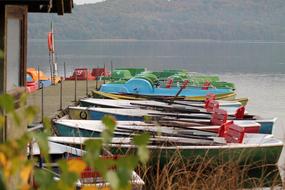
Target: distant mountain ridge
[168, 20]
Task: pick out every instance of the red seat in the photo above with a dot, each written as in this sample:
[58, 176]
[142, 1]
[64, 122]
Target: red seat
[184, 84]
[209, 98]
[240, 112]
[206, 85]
[98, 72]
[169, 83]
[31, 87]
[219, 117]
[232, 133]
[212, 105]
[81, 74]
[88, 174]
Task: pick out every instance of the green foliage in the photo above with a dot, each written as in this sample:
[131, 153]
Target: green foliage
[141, 142]
[45, 179]
[120, 177]
[168, 20]
[13, 161]
[2, 183]
[1, 54]
[110, 125]
[67, 177]
[7, 103]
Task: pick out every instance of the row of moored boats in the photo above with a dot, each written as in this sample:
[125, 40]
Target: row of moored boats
[201, 118]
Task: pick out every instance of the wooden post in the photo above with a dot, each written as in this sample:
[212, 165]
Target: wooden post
[42, 86]
[87, 83]
[96, 83]
[111, 66]
[75, 88]
[111, 70]
[60, 93]
[104, 81]
[64, 70]
[39, 85]
[50, 68]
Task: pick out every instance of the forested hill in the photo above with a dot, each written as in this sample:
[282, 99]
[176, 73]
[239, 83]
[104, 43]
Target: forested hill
[168, 20]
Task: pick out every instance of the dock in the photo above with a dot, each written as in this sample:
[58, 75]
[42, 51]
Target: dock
[51, 97]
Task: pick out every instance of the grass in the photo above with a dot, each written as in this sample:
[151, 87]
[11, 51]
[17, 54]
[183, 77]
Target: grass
[205, 173]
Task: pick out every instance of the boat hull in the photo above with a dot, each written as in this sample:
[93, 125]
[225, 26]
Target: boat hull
[144, 87]
[256, 149]
[266, 125]
[89, 114]
[228, 96]
[257, 155]
[65, 130]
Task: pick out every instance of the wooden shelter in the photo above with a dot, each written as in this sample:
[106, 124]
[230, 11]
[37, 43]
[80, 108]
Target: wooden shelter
[13, 46]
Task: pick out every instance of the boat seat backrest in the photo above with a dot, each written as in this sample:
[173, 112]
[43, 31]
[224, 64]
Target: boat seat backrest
[240, 112]
[96, 72]
[206, 85]
[232, 132]
[219, 117]
[81, 73]
[169, 83]
[88, 172]
[208, 98]
[184, 84]
[212, 105]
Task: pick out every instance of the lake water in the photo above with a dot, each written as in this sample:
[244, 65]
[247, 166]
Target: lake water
[256, 68]
[198, 56]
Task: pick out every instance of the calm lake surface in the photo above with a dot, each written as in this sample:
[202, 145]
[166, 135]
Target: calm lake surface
[256, 68]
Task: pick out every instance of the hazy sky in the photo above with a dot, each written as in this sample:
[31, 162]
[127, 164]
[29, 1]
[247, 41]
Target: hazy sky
[86, 1]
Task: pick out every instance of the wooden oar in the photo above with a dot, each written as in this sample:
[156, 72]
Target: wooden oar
[128, 141]
[171, 134]
[167, 108]
[177, 115]
[183, 104]
[203, 116]
[180, 90]
[152, 97]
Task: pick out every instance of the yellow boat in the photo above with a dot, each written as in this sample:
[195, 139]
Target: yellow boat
[227, 96]
[114, 96]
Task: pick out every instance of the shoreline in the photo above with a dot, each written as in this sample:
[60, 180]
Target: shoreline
[169, 40]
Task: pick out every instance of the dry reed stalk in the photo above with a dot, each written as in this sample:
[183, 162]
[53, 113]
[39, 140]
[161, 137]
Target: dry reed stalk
[207, 173]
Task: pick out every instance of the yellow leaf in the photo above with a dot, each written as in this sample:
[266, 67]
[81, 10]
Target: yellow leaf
[26, 187]
[89, 188]
[76, 166]
[7, 169]
[105, 188]
[3, 159]
[26, 172]
[2, 121]
[95, 188]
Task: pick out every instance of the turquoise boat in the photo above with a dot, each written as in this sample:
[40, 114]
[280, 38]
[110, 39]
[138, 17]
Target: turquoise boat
[88, 128]
[92, 113]
[84, 113]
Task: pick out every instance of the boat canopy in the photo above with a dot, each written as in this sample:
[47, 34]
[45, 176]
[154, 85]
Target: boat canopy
[35, 75]
[121, 75]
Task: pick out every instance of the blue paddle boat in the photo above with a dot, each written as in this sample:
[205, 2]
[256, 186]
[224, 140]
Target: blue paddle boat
[143, 86]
